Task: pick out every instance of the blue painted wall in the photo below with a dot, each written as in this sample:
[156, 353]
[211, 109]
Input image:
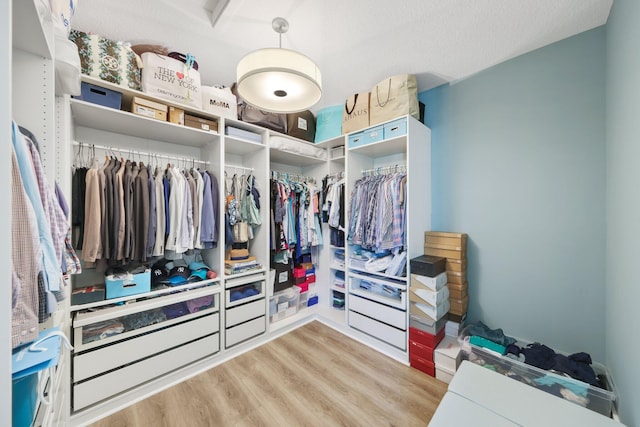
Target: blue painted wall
[623, 204]
[518, 163]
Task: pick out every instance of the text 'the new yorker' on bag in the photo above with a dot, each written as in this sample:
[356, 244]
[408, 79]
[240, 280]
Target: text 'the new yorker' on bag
[249, 114]
[302, 125]
[171, 79]
[394, 97]
[355, 115]
[108, 60]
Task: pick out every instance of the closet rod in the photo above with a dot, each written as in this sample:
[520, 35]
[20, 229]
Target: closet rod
[383, 170]
[242, 168]
[139, 153]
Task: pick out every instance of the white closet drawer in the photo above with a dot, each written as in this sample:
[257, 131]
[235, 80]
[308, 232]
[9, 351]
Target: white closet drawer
[378, 330]
[245, 312]
[245, 331]
[106, 358]
[383, 313]
[100, 388]
[244, 293]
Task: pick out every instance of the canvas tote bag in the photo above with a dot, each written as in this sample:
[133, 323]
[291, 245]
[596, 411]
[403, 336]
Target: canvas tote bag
[355, 115]
[171, 79]
[394, 97]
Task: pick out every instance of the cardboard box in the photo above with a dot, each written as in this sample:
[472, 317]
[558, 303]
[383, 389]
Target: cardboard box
[200, 123]
[459, 306]
[458, 292]
[427, 296]
[445, 253]
[426, 310]
[447, 354]
[148, 108]
[459, 265]
[176, 115]
[455, 241]
[458, 277]
[430, 283]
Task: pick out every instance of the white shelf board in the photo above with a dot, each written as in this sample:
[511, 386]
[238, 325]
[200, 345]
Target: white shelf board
[331, 143]
[394, 302]
[29, 30]
[156, 293]
[111, 120]
[234, 145]
[382, 148]
[285, 157]
[375, 276]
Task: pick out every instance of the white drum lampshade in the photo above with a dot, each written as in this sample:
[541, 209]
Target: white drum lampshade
[279, 80]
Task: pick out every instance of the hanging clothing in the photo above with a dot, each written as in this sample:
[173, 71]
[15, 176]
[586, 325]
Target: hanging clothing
[27, 261]
[378, 213]
[53, 276]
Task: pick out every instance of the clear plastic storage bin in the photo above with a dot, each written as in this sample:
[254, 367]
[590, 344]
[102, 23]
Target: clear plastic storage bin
[596, 399]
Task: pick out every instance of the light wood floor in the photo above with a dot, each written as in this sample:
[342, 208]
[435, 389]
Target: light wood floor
[313, 376]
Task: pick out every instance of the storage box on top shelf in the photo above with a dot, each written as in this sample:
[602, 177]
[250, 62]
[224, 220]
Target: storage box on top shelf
[598, 399]
[395, 128]
[100, 95]
[200, 123]
[374, 134]
[356, 140]
[284, 304]
[147, 108]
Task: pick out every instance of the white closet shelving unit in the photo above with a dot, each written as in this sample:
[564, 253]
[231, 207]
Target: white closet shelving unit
[110, 374]
[382, 321]
[32, 105]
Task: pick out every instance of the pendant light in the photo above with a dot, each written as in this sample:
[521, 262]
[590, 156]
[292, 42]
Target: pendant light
[279, 80]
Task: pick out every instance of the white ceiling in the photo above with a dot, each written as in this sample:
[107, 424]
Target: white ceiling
[356, 43]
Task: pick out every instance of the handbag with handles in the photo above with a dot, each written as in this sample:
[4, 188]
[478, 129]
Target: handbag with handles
[250, 114]
[355, 115]
[394, 97]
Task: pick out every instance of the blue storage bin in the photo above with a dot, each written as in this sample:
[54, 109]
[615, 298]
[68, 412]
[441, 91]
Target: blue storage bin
[373, 134]
[329, 123]
[312, 301]
[122, 285]
[395, 128]
[100, 95]
[25, 399]
[356, 139]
